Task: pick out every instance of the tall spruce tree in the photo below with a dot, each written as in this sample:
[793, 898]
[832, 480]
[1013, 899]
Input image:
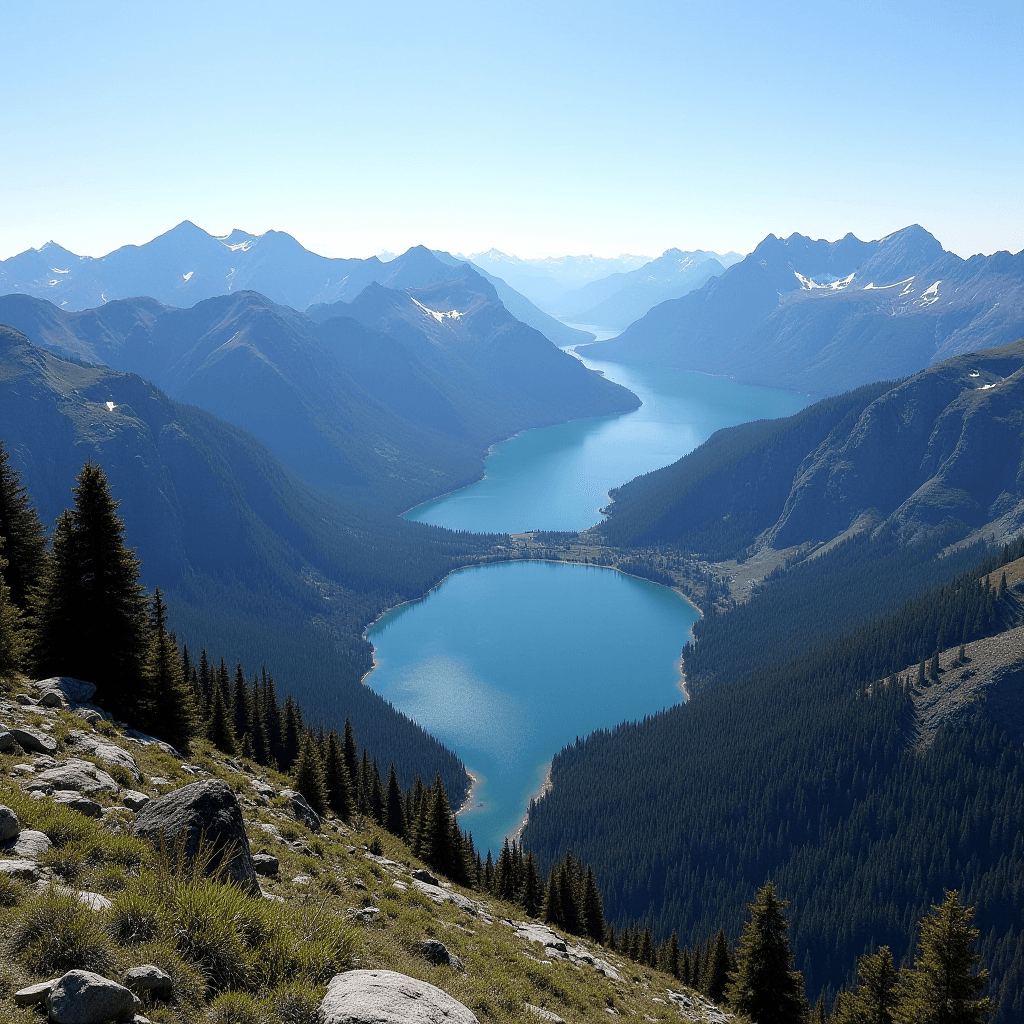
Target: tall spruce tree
[764, 985]
[169, 708]
[532, 894]
[339, 785]
[91, 612]
[13, 640]
[241, 704]
[873, 999]
[944, 985]
[716, 969]
[221, 730]
[593, 909]
[351, 753]
[394, 820]
[309, 775]
[24, 544]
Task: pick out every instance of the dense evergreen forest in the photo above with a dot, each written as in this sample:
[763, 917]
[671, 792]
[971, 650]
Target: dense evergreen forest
[802, 771]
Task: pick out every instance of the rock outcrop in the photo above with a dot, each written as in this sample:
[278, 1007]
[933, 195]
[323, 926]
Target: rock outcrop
[83, 997]
[204, 813]
[386, 997]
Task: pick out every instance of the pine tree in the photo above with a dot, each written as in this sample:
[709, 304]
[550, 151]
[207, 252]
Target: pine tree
[351, 753]
[943, 986]
[764, 985]
[672, 955]
[504, 880]
[377, 795]
[291, 734]
[221, 732]
[206, 684]
[13, 642]
[437, 845]
[309, 775]
[91, 613]
[716, 969]
[489, 874]
[24, 539]
[169, 710]
[394, 819]
[593, 910]
[873, 999]
[339, 785]
[241, 704]
[532, 894]
[553, 897]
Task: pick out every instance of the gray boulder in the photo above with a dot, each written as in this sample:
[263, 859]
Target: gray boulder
[150, 979]
[203, 811]
[33, 994]
[108, 753]
[438, 953]
[9, 824]
[51, 699]
[76, 690]
[423, 875]
[6, 740]
[386, 997]
[81, 776]
[34, 740]
[22, 870]
[83, 997]
[302, 811]
[28, 843]
[77, 802]
[135, 800]
[265, 863]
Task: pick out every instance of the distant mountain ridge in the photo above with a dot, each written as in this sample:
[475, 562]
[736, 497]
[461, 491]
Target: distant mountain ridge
[939, 454]
[616, 301]
[390, 419]
[185, 265]
[823, 317]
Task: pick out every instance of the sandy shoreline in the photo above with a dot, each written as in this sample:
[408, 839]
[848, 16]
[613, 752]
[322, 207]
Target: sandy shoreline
[545, 788]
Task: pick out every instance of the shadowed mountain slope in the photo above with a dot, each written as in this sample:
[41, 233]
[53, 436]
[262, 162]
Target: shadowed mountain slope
[822, 317]
[256, 564]
[940, 451]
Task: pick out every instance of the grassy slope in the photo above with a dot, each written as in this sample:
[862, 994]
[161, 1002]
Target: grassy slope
[503, 973]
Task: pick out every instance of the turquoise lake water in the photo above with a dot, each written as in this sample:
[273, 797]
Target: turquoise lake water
[507, 663]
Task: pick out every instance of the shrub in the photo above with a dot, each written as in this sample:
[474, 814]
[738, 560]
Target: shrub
[121, 775]
[57, 934]
[110, 879]
[205, 916]
[295, 1004]
[12, 892]
[236, 1008]
[134, 917]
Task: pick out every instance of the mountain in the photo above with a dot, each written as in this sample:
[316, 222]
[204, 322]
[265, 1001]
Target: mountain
[618, 300]
[388, 419]
[185, 265]
[523, 309]
[543, 280]
[823, 317]
[939, 453]
[257, 565]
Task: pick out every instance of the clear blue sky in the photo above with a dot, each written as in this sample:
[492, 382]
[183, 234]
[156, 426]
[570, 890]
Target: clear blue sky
[538, 128]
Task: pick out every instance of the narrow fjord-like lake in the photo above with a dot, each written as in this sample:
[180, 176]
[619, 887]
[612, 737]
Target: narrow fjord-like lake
[507, 663]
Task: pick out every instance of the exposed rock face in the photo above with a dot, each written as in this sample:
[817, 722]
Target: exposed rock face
[24, 870]
[33, 994]
[302, 810]
[9, 824]
[265, 863]
[81, 776]
[6, 740]
[29, 843]
[203, 811]
[149, 978]
[423, 875]
[386, 997]
[108, 753]
[77, 802]
[34, 740]
[439, 895]
[83, 997]
[76, 690]
[438, 953]
[134, 800]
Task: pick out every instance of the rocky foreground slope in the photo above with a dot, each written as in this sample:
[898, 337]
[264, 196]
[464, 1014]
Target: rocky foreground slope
[115, 905]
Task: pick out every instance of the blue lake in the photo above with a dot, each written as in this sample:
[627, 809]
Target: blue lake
[507, 663]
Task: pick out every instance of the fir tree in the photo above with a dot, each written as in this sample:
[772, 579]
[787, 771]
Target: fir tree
[241, 704]
[764, 985]
[532, 894]
[13, 642]
[716, 969]
[351, 753]
[943, 986]
[593, 910]
[504, 878]
[394, 820]
[873, 999]
[221, 732]
[309, 775]
[489, 874]
[169, 709]
[672, 955]
[206, 684]
[339, 785]
[24, 539]
[377, 795]
[291, 734]
[91, 613]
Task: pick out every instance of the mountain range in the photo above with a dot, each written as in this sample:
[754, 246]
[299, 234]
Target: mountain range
[939, 454]
[185, 265]
[257, 566]
[823, 317]
[392, 398]
[616, 301]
